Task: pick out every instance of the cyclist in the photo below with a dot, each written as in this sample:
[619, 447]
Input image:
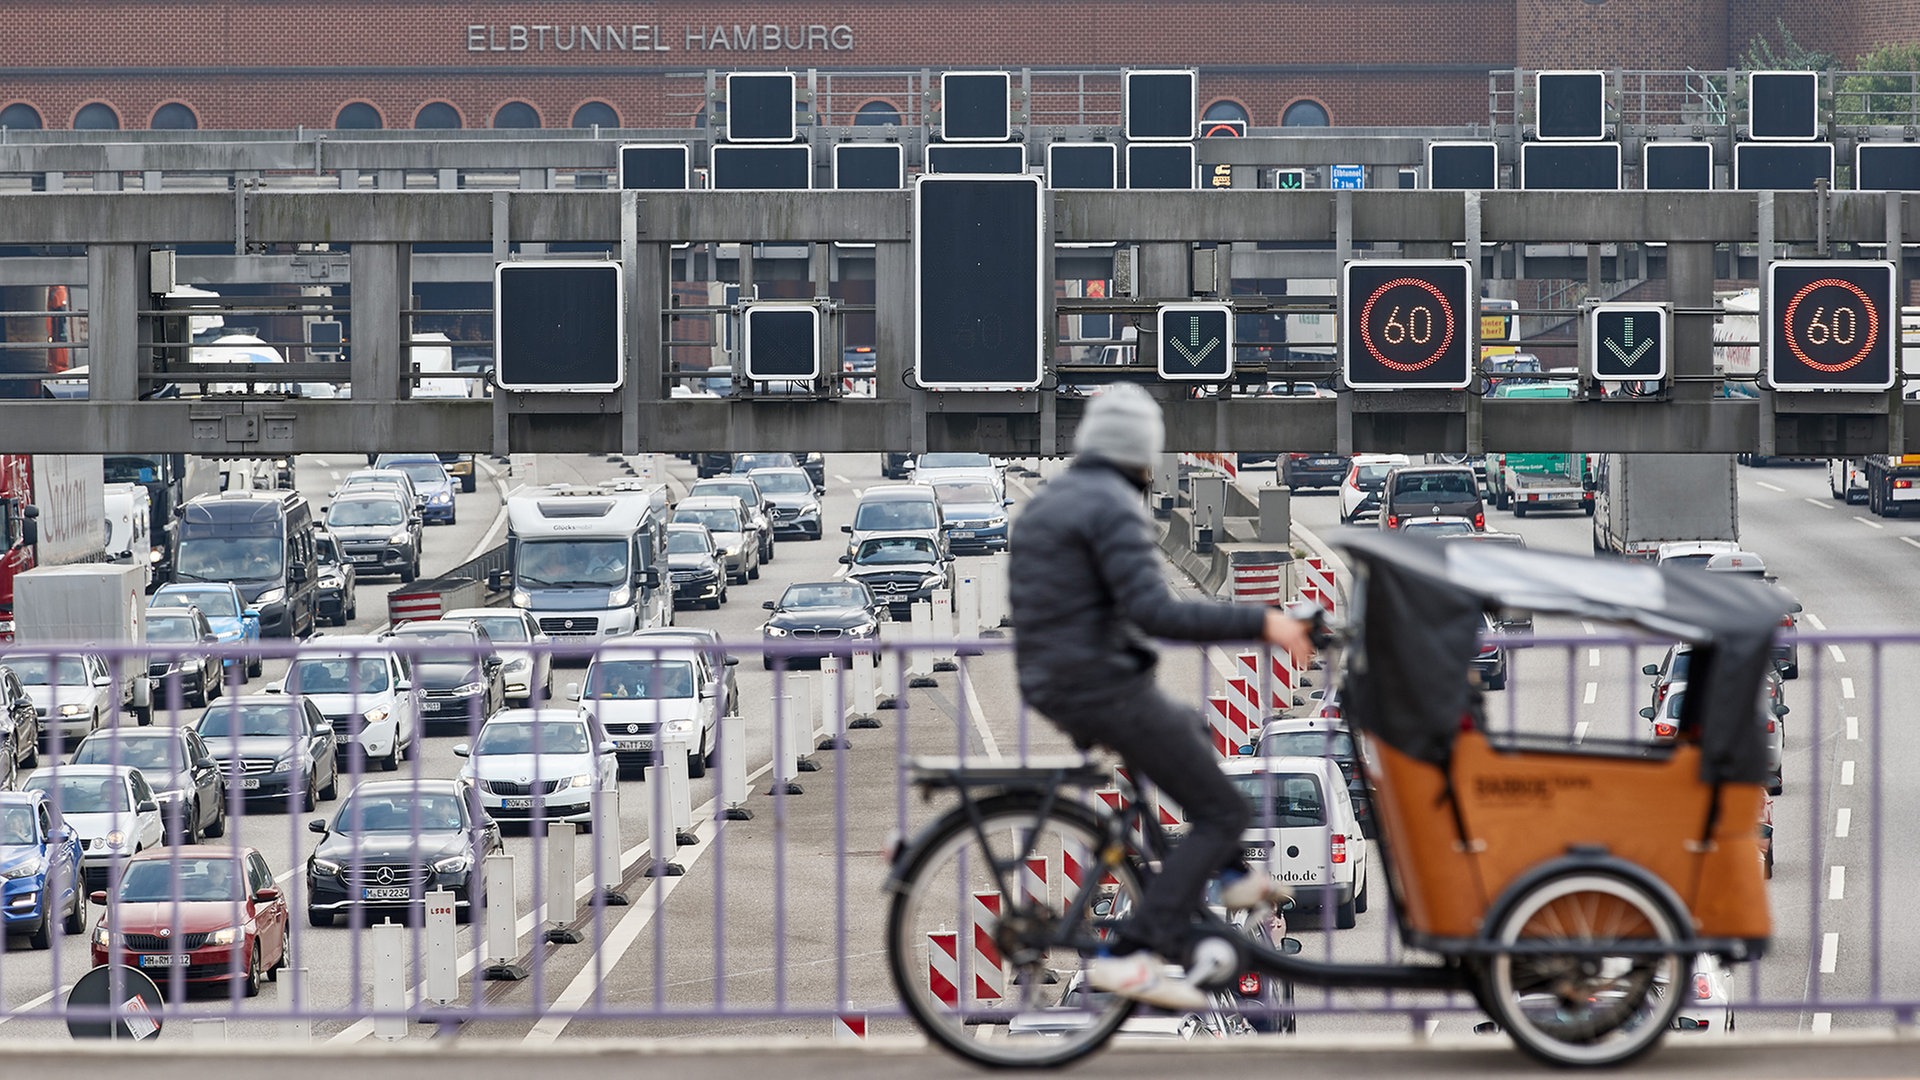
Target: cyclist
[1086, 590]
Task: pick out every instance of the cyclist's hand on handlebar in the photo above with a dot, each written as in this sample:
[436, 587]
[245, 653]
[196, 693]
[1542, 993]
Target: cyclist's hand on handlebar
[1293, 635]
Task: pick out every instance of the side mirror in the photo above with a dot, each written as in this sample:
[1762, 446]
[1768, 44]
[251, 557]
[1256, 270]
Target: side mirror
[98, 897]
[403, 685]
[607, 748]
[733, 661]
[1781, 710]
[769, 605]
[273, 688]
[317, 825]
[1290, 946]
[818, 491]
[103, 680]
[63, 835]
[296, 571]
[649, 578]
[209, 639]
[1006, 502]
[493, 663]
[542, 639]
[1650, 669]
[848, 529]
[462, 750]
[267, 895]
[710, 690]
[846, 560]
[147, 806]
[1246, 750]
[1646, 713]
[1486, 1027]
[946, 526]
[573, 691]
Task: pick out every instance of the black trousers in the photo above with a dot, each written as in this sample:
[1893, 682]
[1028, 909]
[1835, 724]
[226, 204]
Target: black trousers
[1162, 743]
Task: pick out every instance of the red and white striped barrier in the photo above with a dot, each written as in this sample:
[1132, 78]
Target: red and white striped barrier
[1165, 810]
[943, 966]
[1076, 861]
[1319, 576]
[1227, 465]
[1036, 882]
[1243, 701]
[1222, 731]
[1117, 801]
[1275, 688]
[851, 1028]
[1258, 583]
[989, 982]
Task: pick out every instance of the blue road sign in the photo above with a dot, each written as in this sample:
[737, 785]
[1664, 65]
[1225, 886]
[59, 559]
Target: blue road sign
[1348, 177]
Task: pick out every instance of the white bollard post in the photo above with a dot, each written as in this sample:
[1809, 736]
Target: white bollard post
[993, 595]
[607, 871]
[800, 723]
[389, 981]
[502, 946]
[860, 701]
[786, 765]
[662, 842]
[680, 791]
[296, 1030]
[733, 767]
[967, 605]
[920, 665]
[558, 907]
[833, 705]
[442, 982]
[943, 653]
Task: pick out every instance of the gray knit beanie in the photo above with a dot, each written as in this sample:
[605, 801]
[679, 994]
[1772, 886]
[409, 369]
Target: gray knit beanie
[1123, 426]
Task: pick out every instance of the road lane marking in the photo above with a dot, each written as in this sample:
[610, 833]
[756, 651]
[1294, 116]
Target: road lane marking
[1813, 620]
[335, 473]
[1593, 657]
[1822, 1023]
[1837, 883]
[480, 547]
[1588, 627]
[1593, 691]
[1910, 540]
[1842, 823]
[970, 701]
[1846, 688]
[1838, 656]
[1829, 952]
[1846, 774]
[1821, 503]
[1869, 523]
[841, 479]
[1770, 487]
[1580, 732]
[1853, 729]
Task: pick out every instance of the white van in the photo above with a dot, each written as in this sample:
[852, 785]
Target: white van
[641, 692]
[1304, 831]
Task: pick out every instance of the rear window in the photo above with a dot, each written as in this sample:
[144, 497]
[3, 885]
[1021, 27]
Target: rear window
[1333, 744]
[896, 514]
[1447, 483]
[1283, 800]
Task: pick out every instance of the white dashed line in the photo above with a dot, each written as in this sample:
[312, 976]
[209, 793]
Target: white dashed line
[1580, 732]
[1588, 627]
[1822, 1023]
[1846, 689]
[1813, 620]
[1853, 729]
[335, 473]
[1868, 522]
[841, 479]
[1837, 883]
[1593, 691]
[1846, 774]
[1821, 503]
[1842, 823]
[1593, 657]
[1910, 540]
[1770, 487]
[1829, 952]
[1838, 656]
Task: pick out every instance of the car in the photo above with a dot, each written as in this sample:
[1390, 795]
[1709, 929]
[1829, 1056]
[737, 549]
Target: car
[1490, 663]
[1513, 622]
[272, 746]
[1786, 652]
[363, 687]
[699, 574]
[895, 508]
[744, 463]
[975, 513]
[895, 466]
[461, 468]
[1709, 998]
[545, 763]
[1692, 553]
[430, 480]
[234, 622]
[900, 569]
[175, 763]
[526, 668]
[1766, 836]
[1436, 526]
[1304, 832]
[339, 578]
[1262, 1001]
[1431, 491]
[1302, 471]
[217, 914]
[185, 664]
[820, 619]
[759, 507]
[933, 467]
[393, 481]
[1663, 717]
[19, 722]
[375, 531]
[796, 502]
[704, 638]
[1361, 486]
[394, 841]
[815, 466]
[1320, 736]
[640, 691]
[73, 693]
[456, 673]
[109, 807]
[734, 540]
[39, 870]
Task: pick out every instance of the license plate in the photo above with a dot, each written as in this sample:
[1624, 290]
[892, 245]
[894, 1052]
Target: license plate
[517, 804]
[366, 558]
[429, 706]
[961, 534]
[245, 783]
[1326, 461]
[162, 960]
[633, 744]
[385, 892]
[1254, 855]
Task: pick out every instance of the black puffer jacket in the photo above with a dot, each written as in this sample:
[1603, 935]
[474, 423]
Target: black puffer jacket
[1087, 591]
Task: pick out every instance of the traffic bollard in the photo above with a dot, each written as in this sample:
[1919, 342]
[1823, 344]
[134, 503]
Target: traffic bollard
[680, 791]
[733, 768]
[966, 613]
[502, 946]
[786, 764]
[662, 842]
[920, 665]
[389, 981]
[800, 723]
[860, 703]
[992, 572]
[942, 612]
[833, 710]
[558, 907]
[607, 872]
[887, 691]
[442, 981]
[296, 1030]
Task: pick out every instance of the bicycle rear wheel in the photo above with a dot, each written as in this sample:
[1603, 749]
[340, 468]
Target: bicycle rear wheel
[979, 968]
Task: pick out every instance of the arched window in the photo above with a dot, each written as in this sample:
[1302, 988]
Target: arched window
[516, 114]
[96, 117]
[20, 116]
[1227, 110]
[1305, 113]
[437, 116]
[358, 116]
[174, 116]
[700, 120]
[595, 114]
[876, 114]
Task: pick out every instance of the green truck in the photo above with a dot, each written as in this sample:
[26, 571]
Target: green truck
[1527, 482]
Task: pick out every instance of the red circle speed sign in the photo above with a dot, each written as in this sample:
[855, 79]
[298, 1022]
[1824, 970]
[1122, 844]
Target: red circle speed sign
[1417, 330]
[1847, 325]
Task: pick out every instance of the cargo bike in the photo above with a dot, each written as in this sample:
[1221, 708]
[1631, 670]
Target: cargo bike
[1568, 887]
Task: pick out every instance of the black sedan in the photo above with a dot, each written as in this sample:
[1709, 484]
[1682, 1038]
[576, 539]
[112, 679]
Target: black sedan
[395, 841]
[272, 746]
[901, 569]
[820, 619]
[458, 674]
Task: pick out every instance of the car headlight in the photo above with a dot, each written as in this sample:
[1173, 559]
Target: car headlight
[284, 763]
[470, 689]
[116, 839]
[169, 796]
[401, 537]
[100, 936]
[226, 936]
[997, 521]
[442, 498]
[933, 581]
[677, 728]
[453, 864]
[518, 663]
[520, 598]
[375, 716]
[323, 866]
[809, 509]
[775, 631]
[21, 870]
[271, 596]
[584, 780]
[620, 597]
[332, 581]
[73, 709]
[865, 629]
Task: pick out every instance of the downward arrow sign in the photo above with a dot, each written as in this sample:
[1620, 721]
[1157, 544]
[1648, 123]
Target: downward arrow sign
[1194, 358]
[1629, 358]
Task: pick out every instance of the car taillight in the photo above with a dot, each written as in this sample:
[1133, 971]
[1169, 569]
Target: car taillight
[1663, 731]
[1250, 983]
[1786, 621]
[1659, 694]
[1480, 520]
[1339, 849]
[1702, 987]
[1771, 725]
[1903, 483]
[1393, 521]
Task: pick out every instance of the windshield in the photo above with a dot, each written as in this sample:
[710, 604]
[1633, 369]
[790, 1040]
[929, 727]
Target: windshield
[156, 881]
[887, 550]
[685, 542]
[1677, 667]
[955, 461]
[1334, 744]
[231, 558]
[896, 514]
[786, 483]
[825, 595]
[650, 680]
[749, 462]
[213, 603]
[1446, 483]
[966, 493]
[151, 754]
[364, 512]
[225, 722]
[338, 675]
[16, 827]
[34, 670]
[532, 737]
[558, 563]
[501, 628]
[171, 629]
[1282, 800]
[421, 473]
[400, 812]
[720, 521]
[82, 794]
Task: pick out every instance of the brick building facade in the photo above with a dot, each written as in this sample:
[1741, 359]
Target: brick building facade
[280, 64]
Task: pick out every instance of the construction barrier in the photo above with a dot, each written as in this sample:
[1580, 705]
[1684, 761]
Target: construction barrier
[389, 981]
[850, 1028]
[733, 767]
[994, 611]
[943, 966]
[1223, 732]
[920, 662]
[1258, 577]
[989, 980]
[1035, 882]
[833, 704]
[1319, 576]
[886, 690]
[944, 654]
[862, 701]
[502, 945]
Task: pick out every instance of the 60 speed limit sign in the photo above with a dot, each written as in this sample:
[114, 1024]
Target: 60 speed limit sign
[1406, 324]
[1834, 325]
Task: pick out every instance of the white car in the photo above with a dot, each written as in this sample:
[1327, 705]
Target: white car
[110, 808]
[643, 692]
[72, 693]
[1366, 478]
[1445, 525]
[1709, 998]
[937, 467]
[528, 670]
[1694, 553]
[545, 760]
[363, 688]
[1305, 833]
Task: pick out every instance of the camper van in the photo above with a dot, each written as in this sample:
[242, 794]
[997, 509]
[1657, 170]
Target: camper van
[590, 562]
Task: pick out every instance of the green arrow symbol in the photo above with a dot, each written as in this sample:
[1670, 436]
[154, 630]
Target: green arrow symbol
[1629, 358]
[1193, 357]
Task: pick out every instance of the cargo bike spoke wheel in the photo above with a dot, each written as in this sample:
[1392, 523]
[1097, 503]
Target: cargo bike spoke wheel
[1554, 986]
[952, 918]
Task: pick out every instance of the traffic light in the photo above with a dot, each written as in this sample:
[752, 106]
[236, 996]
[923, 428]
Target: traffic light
[1290, 179]
[1834, 325]
[1406, 324]
[976, 106]
[979, 287]
[656, 167]
[558, 326]
[1629, 342]
[1196, 341]
[782, 342]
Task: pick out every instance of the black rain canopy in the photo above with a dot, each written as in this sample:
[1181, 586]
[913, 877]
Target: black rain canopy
[1417, 611]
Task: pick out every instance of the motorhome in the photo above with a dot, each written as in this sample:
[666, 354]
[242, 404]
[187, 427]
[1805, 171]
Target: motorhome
[590, 562]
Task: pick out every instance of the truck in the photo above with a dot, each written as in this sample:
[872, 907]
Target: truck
[1893, 483]
[52, 512]
[91, 604]
[171, 482]
[1527, 482]
[1644, 500]
[129, 531]
[589, 562]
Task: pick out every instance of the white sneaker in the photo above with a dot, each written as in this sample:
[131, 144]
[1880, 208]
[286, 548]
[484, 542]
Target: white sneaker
[1253, 889]
[1143, 978]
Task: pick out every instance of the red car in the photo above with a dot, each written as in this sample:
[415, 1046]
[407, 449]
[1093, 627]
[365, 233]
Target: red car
[217, 914]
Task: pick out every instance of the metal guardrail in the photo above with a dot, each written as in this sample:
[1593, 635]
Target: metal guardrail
[474, 583]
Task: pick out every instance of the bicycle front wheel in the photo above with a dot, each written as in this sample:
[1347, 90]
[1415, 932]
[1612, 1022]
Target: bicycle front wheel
[981, 952]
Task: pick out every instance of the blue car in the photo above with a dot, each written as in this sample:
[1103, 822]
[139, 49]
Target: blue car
[430, 481]
[975, 513]
[233, 623]
[39, 870]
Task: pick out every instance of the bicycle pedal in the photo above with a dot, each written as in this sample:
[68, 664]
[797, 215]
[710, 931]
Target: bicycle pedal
[1214, 960]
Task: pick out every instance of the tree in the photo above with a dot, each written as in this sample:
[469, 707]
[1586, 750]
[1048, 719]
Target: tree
[1887, 90]
[1789, 55]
